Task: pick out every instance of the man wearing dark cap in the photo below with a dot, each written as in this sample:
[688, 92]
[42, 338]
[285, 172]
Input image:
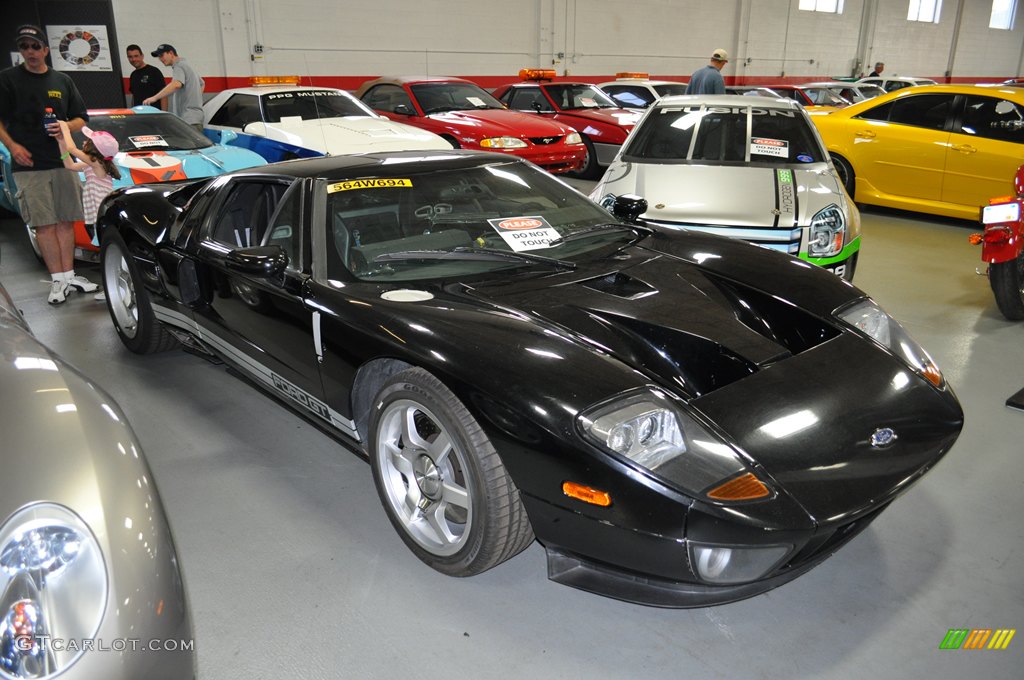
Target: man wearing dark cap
[49, 197]
[708, 80]
[185, 89]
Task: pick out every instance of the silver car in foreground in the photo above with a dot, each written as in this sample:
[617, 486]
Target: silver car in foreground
[89, 579]
[751, 168]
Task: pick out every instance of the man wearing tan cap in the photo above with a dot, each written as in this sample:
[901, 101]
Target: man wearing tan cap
[708, 80]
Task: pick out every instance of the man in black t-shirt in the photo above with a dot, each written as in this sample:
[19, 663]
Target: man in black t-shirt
[145, 80]
[49, 197]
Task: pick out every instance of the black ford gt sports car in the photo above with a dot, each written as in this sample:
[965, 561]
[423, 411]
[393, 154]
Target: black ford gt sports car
[680, 419]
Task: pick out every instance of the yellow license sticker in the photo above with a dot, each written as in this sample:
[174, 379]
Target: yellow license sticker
[368, 184]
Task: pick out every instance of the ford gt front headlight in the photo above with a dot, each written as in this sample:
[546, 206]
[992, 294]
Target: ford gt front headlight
[651, 430]
[503, 143]
[53, 583]
[868, 319]
[828, 232]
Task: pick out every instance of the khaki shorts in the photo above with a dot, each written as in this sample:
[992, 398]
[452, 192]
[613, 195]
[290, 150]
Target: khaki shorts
[49, 196]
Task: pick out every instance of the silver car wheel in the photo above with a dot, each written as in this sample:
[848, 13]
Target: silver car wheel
[423, 475]
[117, 280]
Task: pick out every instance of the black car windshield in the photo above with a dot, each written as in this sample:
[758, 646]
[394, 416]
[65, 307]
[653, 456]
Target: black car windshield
[737, 134]
[311, 105]
[448, 96]
[579, 96]
[147, 132]
[454, 223]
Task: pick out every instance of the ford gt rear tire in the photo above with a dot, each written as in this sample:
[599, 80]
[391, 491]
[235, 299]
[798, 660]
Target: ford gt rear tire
[440, 479]
[128, 301]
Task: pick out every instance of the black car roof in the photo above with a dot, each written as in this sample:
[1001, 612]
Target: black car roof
[390, 164]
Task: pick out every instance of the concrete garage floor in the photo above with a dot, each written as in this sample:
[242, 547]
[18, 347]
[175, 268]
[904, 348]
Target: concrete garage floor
[294, 571]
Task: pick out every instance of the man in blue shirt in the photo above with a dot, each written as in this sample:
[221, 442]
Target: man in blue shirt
[708, 80]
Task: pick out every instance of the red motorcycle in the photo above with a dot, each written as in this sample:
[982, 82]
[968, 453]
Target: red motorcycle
[1002, 247]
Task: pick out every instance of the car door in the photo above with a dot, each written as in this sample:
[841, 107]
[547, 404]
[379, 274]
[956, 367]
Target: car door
[236, 112]
[261, 324]
[391, 101]
[528, 99]
[899, 147]
[986, 148]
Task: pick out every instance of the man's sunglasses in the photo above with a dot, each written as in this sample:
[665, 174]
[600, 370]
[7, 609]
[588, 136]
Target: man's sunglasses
[29, 46]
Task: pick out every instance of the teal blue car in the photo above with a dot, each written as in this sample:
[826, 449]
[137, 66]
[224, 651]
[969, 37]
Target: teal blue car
[155, 146]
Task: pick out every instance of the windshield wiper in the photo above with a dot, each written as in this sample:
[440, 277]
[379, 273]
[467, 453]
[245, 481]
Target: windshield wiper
[465, 253]
[589, 231]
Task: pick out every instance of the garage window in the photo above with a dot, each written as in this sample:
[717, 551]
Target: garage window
[1003, 13]
[830, 6]
[926, 11]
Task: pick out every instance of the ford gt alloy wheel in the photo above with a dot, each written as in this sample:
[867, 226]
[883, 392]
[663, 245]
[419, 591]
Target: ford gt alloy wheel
[440, 480]
[128, 301]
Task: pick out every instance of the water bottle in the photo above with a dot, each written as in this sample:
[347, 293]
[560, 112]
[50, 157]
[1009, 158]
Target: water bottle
[49, 117]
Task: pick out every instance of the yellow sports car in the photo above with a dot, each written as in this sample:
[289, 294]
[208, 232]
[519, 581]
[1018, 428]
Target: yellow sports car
[941, 149]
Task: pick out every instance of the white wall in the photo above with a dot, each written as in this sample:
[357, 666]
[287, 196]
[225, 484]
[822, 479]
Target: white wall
[493, 39]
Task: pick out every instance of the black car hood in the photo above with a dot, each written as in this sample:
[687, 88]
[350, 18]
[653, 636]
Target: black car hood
[753, 362]
[676, 321]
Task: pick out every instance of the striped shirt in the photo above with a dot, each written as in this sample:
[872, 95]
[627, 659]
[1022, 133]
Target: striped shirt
[95, 190]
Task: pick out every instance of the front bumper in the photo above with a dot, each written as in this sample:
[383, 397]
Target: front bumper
[646, 588]
[790, 240]
[563, 159]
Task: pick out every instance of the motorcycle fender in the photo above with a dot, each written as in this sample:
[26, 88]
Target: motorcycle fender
[1002, 243]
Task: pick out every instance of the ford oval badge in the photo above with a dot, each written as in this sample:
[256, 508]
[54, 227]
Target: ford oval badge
[882, 437]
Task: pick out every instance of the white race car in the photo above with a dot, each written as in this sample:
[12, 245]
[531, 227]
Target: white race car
[747, 167]
[636, 90]
[851, 92]
[282, 121]
[893, 83]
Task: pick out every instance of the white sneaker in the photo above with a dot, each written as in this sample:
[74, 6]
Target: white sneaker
[82, 284]
[58, 292]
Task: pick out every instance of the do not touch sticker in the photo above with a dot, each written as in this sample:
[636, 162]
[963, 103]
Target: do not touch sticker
[529, 232]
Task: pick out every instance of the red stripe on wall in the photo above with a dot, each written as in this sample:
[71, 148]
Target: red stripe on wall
[219, 83]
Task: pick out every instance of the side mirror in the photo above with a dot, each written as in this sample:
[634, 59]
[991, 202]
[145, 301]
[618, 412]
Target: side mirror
[629, 207]
[403, 109]
[228, 136]
[260, 261]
